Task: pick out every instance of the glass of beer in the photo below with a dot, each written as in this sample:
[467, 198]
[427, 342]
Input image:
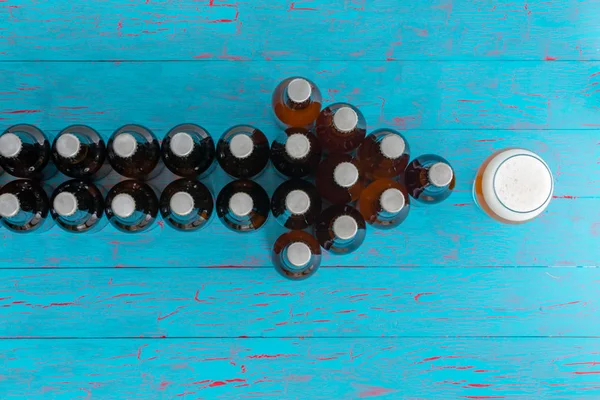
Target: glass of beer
[513, 186]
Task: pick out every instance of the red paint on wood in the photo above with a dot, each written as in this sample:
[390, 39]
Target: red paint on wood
[374, 391]
[272, 355]
[478, 385]
[550, 58]
[22, 111]
[418, 296]
[565, 197]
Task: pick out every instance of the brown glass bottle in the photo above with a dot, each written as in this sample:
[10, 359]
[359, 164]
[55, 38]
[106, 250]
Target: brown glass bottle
[134, 152]
[341, 128]
[339, 179]
[132, 206]
[243, 206]
[243, 151]
[429, 179]
[25, 153]
[186, 205]
[24, 207]
[296, 204]
[189, 151]
[340, 229]
[384, 204]
[296, 153]
[296, 102]
[79, 152]
[383, 154]
[78, 207]
[296, 255]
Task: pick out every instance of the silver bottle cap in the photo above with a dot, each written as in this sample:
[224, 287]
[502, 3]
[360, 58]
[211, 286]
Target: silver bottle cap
[10, 145]
[68, 145]
[297, 146]
[392, 200]
[345, 174]
[392, 146]
[299, 90]
[345, 119]
[65, 204]
[241, 204]
[123, 205]
[125, 145]
[297, 202]
[241, 146]
[182, 144]
[345, 227]
[440, 174]
[298, 254]
[9, 205]
[182, 203]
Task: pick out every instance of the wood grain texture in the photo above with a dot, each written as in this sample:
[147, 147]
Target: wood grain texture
[418, 368]
[337, 302]
[300, 30]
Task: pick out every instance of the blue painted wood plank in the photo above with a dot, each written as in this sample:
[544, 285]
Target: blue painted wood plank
[337, 302]
[404, 95]
[416, 368]
[300, 30]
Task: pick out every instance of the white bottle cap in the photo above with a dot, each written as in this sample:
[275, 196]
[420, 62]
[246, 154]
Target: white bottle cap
[65, 204]
[297, 146]
[125, 145]
[392, 146]
[68, 145]
[299, 90]
[345, 174]
[345, 227]
[440, 174]
[345, 119]
[123, 205]
[298, 254]
[182, 203]
[297, 202]
[241, 204]
[10, 145]
[392, 200]
[241, 146]
[182, 144]
[9, 205]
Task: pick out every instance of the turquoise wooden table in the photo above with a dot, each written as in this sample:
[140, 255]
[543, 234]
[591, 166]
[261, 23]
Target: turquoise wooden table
[450, 305]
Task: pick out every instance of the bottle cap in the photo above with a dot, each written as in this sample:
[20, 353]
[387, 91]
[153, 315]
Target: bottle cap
[125, 145]
[241, 146]
[68, 145]
[392, 200]
[123, 205]
[345, 174]
[9, 205]
[182, 203]
[65, 204]
[392, 146]
[299, 90]
[298, 254]
[182, 144]
[241, 204]
[10, 145]
[297, 202]
[345, 119]
[440, 174]
[345, 227]
[297, 146]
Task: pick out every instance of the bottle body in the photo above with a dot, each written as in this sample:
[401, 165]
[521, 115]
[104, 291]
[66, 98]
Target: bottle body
[243, 206]
[243, 151]
[25, 153]
[513, 186]
[188, 150]
[79, 152]
[296, 103]
[78, 207]
[25, 207]
[340, 229]
[296, 204]
[383, 154]
[296, 153]
[341, 128]
[384, 204]
[339, 179]
[134, 152]
[429, 179]
[296, 255]
[186, 205]
[132, 206]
